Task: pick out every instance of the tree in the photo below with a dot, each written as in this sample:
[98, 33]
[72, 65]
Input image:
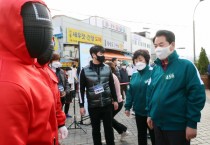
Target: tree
[203, 62]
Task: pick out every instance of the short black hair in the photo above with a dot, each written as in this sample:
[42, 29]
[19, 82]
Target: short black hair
[114, 59]
[141, 52]
[170, 37]
[68, 68]
[95, 49]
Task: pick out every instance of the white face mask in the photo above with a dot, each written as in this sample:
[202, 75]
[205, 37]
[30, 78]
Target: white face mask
[124, 66]
[140, 65]
[163, 52]
[56, 64]
[118, 63]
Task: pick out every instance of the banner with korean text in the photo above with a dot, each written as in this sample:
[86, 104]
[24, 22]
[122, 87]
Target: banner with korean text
[75, 36]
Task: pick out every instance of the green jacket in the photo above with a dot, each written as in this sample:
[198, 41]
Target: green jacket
[176, 96]
[136, 93]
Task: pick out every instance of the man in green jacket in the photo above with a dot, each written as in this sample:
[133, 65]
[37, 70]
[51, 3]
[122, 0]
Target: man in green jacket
[175, 94]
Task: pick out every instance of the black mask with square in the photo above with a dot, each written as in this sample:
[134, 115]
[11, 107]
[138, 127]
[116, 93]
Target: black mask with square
[37, 26]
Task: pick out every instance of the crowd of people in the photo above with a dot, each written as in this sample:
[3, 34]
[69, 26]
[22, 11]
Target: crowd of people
[167, 96]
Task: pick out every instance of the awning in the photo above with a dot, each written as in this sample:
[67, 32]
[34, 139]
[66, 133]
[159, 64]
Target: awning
[110, 55]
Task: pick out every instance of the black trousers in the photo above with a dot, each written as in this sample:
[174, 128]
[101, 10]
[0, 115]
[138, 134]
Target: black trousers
[129, 78]
[163, 137]
[123, 88]
[209, 81]
[65, 105]
[66, 108]
[141, 122]
[67, 101]
[104, 114]
[63, 99]
[119, 127]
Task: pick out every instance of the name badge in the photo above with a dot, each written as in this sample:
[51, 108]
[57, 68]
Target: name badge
[61, 88]
[98, 89]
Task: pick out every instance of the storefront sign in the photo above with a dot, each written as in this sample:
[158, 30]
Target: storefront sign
[113, 26]
[56, 43]
[57, 31]
[112, 44]
[76, 36]
[69, 64]
[66, 64]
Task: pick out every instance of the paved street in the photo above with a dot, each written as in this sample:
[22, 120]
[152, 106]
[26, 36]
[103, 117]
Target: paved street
[79, 137]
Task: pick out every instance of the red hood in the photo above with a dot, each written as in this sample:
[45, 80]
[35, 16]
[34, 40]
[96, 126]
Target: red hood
[12, 41]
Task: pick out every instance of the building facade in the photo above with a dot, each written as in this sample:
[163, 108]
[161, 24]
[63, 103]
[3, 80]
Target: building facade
[141, 42]
[115, 38]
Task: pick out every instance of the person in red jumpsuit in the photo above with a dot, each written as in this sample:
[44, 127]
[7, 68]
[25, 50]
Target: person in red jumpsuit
[43, 66]
[28, 104]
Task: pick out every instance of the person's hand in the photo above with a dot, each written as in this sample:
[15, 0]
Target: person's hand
[127, 113]
[63, 94]
[150, 122]
[63, 132]
[115, 105]
[82, 111]
[190, 133]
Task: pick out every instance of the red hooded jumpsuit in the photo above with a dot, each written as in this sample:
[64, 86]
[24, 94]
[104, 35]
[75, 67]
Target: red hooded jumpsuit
[27, 103]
